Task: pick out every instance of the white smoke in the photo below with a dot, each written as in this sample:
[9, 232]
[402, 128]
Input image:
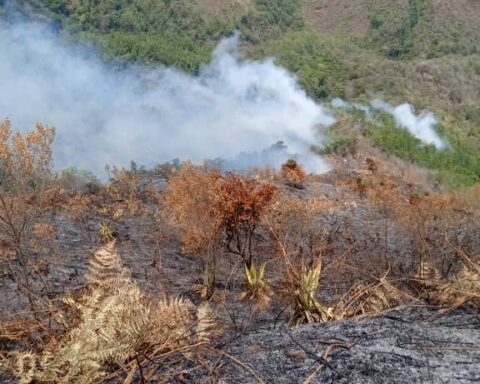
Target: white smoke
[103, 116]
[342, 104]
[421, 126]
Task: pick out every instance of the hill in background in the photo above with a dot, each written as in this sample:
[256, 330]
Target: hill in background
[425, 52]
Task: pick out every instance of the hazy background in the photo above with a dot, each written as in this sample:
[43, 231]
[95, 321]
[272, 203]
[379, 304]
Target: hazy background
[152, 115]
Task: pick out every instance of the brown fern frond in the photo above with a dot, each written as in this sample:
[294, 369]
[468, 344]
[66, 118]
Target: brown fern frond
[172, 321]
[105, 268]
[427, 274]
[464, 287]
[207, 327]
[114, 321]
[24, 365]
[365, 298]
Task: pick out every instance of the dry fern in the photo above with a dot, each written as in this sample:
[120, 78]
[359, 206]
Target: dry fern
[116, 320]
[105, 268]
[463, 288]
[371, 298]
[207, 327]
[172, 322]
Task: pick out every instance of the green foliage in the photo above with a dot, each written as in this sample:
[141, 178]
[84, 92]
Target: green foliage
[79, 179]
[392, 28]
[312, 59]
[339, 145]
[59, 6]
[270, 19]
[176, 51]
[256, 283]
[419, 29]
[171, 32]
[455, 166]
[148, 31]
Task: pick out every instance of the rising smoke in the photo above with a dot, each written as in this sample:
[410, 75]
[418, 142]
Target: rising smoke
[103, 116]
[421, 126]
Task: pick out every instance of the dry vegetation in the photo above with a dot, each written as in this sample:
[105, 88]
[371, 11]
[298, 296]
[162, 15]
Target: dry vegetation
[131, 281]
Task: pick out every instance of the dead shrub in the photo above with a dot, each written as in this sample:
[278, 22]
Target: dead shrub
[463, 288]
[212, 209]
[294, 226]
[293, 173]
[25, 198]
[240, 205]
[371, 165]
[191, 202]
[123, 195]
[25, 175]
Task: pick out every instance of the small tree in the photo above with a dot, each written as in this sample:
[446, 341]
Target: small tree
[25, 170]
[241, 204]
[210, 209]
[191, 203]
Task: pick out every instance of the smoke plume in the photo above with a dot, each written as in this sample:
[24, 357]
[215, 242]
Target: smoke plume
[105, 116]
[421, 126]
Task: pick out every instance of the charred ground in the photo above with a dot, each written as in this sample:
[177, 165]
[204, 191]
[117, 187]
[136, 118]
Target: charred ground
[224, 265]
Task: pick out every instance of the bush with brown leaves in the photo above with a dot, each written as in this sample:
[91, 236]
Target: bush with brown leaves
[25, 174]
[212, 210]
[293, 173]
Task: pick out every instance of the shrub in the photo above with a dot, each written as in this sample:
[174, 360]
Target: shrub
[211, 209]
[191, 202]
[270, 19]
[256, 285]
[313, 59]
[79, 180]
[460, 289]
[338, 145]
[25, 175]
[241, 203]
[455, 166]
[293, 173]
[301, 284]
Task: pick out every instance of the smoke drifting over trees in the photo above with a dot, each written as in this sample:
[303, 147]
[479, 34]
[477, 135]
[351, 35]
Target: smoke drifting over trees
[152, 115]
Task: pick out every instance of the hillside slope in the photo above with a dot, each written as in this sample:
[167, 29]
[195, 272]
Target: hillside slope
[425, 52]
